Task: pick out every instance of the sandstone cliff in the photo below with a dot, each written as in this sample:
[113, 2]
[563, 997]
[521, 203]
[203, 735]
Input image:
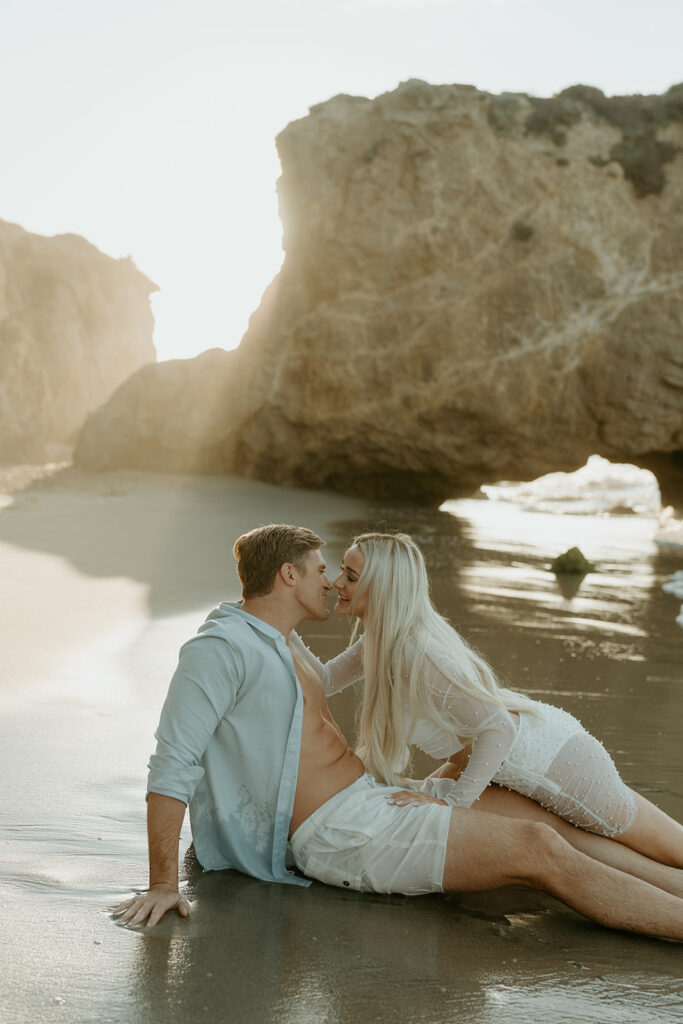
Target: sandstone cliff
[74, 324]
[475, 287]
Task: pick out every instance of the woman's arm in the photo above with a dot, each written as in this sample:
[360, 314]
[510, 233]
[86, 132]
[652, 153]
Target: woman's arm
[493, 728]
[454, 766]
[337, 673]
[437, 787]
[490, 746]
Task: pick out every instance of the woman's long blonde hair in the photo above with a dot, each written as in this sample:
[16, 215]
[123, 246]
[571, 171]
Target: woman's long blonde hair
[401, 625]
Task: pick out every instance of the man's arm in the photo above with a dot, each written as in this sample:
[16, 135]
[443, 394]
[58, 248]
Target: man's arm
[203, 690]
[164, 821]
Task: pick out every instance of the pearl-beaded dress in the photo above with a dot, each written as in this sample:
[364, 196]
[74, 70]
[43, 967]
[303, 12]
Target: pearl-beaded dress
[547, 755]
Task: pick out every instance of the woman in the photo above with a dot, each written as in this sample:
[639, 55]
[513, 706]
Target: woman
[425, 686]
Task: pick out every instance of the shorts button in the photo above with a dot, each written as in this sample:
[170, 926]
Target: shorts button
[347, 883]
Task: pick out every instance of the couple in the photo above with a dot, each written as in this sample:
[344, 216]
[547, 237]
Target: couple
[247, 740]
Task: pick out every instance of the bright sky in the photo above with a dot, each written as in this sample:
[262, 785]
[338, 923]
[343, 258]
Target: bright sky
[148, 125]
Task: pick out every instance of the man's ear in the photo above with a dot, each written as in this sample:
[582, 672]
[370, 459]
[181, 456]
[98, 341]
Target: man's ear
[287, 573]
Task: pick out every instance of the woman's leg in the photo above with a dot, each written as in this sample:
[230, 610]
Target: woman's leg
[654, 834]
[582, 785]
[496, 800]
[587, 791]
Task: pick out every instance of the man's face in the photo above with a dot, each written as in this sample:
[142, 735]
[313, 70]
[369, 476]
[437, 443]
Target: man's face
[313, 586]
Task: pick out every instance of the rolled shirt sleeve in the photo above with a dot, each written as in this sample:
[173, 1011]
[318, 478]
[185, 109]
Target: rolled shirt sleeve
[203, 690]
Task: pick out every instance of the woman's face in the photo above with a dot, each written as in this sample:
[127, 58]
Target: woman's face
[346, 581]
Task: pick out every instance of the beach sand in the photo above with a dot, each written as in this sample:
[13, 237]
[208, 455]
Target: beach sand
[102, 577]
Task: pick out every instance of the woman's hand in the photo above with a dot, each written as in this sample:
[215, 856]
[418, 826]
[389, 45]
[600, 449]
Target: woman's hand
[409, 796]
[152, 904]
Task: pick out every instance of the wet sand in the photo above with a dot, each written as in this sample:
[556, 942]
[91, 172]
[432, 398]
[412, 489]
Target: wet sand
[103, 577]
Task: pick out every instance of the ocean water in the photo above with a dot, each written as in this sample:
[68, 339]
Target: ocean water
[598, 488]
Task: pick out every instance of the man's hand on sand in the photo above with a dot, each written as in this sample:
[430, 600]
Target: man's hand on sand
[152, 904]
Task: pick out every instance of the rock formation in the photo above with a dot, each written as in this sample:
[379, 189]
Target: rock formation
[475, 288]
[74, 324]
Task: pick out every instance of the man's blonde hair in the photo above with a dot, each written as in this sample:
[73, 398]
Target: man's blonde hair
[262, 551]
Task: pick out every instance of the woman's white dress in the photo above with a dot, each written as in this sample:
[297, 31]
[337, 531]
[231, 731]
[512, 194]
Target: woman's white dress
[547, 755]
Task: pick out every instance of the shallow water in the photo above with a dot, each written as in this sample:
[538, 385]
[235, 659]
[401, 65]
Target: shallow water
[102, 579]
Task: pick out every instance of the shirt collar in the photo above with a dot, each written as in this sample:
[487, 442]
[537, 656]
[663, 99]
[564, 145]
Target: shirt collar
[256, 623]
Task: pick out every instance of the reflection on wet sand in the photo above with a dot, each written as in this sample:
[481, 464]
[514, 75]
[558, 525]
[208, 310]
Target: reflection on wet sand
[254, 951]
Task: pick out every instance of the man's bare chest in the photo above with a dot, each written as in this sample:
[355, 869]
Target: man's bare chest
[311, 687]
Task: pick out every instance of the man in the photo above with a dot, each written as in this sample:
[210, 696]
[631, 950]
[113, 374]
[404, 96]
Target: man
[247, 740]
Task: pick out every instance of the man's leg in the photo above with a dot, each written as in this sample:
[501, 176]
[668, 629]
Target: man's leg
[654, 835]
[487, 851]
[496, 800]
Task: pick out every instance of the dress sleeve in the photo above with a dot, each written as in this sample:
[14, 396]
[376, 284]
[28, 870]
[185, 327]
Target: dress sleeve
[203, 690]
[493, 730]
[337, 673]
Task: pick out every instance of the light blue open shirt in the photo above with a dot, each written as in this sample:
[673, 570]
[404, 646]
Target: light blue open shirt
[229, 739]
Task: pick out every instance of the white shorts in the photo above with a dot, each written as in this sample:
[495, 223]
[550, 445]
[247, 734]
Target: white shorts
[359, 841]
